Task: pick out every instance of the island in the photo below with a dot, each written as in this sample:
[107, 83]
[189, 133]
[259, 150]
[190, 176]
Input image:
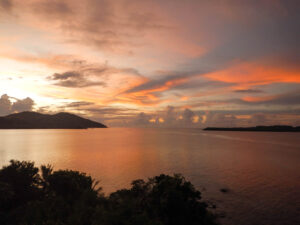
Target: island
[275, 128]
[34, 120]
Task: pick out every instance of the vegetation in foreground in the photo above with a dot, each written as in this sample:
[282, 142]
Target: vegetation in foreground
[42, 196]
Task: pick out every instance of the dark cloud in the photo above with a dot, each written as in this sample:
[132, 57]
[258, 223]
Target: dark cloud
[5, 105]
[202, 84]
[165, 77]
[291, 99]
[142, 119]
[174, 117]
[258, 119]
[211, 118]
[285, 99]
[74, 79]
[22, 105]
[170, 115]
[249, 118]
[258, 103]
[248, 91]
[66, 75]
[111, 111]
[187, 116]
[250, 31]
[89, 74]
[11, 105]
[6, 4]
[78, 104]
[96, 23]
[53, 8]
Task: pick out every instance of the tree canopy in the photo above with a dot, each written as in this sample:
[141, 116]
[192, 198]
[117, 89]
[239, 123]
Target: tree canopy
[41, 196]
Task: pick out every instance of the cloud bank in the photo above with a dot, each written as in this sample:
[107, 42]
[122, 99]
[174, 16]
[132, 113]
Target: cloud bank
[10, 105]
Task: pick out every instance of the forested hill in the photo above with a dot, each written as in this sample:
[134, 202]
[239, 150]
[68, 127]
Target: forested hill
[34, 120]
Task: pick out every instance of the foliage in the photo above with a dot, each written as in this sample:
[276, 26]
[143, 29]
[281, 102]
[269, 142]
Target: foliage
[31, 195]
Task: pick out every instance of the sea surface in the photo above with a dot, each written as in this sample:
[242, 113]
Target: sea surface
[261, 170]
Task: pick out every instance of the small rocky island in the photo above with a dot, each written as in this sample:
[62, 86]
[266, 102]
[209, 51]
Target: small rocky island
[276, 128]
[34, 120]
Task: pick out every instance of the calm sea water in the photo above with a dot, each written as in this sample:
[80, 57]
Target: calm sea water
[261, 170]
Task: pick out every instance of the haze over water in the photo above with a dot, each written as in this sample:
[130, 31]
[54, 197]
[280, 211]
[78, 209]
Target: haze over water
[260, 169]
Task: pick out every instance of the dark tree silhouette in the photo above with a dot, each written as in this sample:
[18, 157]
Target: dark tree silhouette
[29, 195]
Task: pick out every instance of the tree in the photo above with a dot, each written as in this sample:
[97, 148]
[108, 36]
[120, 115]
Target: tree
[29, 195]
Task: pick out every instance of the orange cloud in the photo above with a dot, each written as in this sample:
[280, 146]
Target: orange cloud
[184, 98]
[148, 96]
[250, 74]
[258, 99]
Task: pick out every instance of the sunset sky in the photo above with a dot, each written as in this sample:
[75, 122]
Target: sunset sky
[161, 63]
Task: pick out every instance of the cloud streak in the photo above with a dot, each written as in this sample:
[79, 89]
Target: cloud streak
[73, 79]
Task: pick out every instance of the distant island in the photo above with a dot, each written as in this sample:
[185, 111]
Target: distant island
[276, 128]
[34, 120]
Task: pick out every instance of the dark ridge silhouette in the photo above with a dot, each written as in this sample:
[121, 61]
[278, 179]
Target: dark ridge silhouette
[276, 128]
[34, 120]
[32, 195]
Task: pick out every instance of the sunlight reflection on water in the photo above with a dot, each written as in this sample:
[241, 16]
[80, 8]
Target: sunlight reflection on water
[261, 170]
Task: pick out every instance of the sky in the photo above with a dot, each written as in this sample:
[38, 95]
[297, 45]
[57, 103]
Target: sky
[153, 63]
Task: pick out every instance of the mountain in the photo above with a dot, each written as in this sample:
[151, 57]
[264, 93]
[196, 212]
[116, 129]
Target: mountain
[276, 128]
[34, 120]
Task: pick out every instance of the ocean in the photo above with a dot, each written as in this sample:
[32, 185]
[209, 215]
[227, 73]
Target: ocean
[260, 170]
